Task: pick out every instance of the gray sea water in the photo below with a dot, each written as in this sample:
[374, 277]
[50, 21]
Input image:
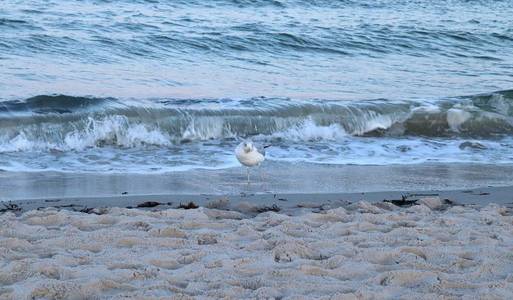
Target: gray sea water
[148, 86]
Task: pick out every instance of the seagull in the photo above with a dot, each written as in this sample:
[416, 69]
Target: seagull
[249, 155]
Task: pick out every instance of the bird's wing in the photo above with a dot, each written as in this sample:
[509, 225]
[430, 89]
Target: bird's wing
[261, 148]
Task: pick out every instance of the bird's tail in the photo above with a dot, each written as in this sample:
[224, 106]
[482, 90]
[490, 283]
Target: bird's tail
[263, 149]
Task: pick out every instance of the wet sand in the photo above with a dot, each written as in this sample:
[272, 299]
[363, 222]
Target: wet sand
[272, 178]
[285, 186]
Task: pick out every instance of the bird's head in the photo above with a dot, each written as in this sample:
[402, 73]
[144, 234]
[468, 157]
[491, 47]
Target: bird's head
[247, 146]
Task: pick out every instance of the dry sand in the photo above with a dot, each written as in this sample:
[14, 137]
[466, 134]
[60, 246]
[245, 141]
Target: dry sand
[360, 251]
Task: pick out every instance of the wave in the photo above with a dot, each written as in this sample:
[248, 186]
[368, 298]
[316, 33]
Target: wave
[60, 122]
[240, 41]
[162, 39]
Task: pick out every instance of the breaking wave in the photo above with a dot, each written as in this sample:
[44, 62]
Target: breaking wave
[58, 122]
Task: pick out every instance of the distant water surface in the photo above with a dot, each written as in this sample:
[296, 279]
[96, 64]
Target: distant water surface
[324, 49]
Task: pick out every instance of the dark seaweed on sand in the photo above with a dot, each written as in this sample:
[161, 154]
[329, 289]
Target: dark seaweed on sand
[91, 210]
[87, 210]
[263, 209]
[148, 204]
[403, 202]
[190, 205]
[10, 207]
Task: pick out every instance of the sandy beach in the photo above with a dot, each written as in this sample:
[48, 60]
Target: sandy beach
[430, 250]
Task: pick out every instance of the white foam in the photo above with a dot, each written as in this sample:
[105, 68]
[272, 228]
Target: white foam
[206, 128]
[116, 130]
[456, 117]
[500, 104]
[18, 143]
[113, 130]
[371, 120]
[308, 130]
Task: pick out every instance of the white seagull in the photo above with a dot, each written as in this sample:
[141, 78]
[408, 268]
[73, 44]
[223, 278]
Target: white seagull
[249, 155]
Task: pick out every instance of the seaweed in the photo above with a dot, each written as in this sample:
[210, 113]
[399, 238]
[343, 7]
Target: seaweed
[263, 209]
[190, 205]
[148, 204]
[10, 207]
[403, 202]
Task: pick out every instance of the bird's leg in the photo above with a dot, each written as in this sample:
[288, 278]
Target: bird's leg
[247, 168]
[262, 178]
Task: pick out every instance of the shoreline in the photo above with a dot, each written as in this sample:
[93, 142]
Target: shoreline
[271, 178]
[288, 203]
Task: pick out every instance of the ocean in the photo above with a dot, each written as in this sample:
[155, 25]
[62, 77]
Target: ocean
[97, 86]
